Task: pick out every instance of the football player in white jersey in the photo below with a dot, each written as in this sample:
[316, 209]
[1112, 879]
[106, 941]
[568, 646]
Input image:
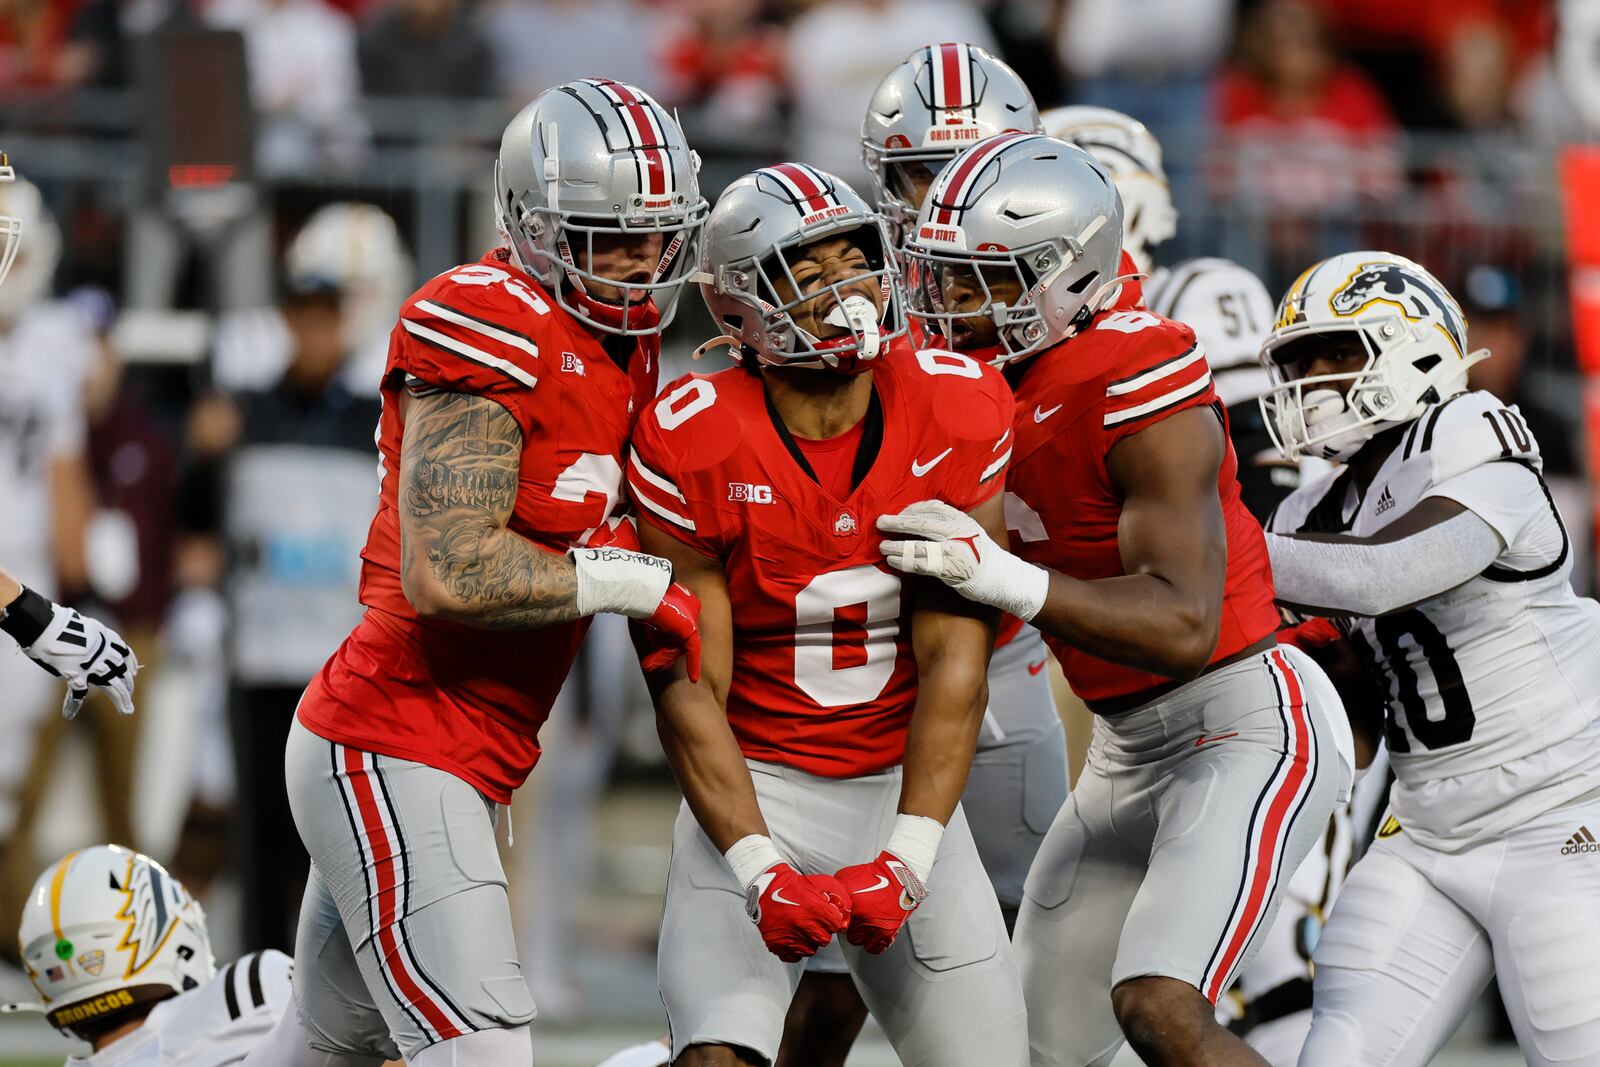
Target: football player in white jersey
[120, 956]
[1440, 556]
[1226, 305]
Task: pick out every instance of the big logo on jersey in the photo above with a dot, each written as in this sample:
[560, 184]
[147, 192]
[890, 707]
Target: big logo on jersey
[150, 909]
[1391, 283]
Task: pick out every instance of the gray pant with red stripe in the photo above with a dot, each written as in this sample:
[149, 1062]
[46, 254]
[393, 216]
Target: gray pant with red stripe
[1177, 844]
[405, 933]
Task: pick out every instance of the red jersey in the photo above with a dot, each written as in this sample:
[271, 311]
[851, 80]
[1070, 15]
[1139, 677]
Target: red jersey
[823, 675]
[465, 700]
[1126, 371]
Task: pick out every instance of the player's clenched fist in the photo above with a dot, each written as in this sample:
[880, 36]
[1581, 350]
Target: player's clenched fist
[673, 630]
[883, 894]
[640, 586]
[796, 913]
[948, 544]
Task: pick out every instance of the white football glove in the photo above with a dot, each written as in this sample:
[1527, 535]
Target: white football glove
[84, 652]
[954, 549]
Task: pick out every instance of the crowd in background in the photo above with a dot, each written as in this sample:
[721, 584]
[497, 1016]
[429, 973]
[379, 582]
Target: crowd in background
[218, 496]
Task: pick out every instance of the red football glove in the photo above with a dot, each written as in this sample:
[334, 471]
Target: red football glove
[796, 913]
[883, 894]
[1313, 633]
[671, 632]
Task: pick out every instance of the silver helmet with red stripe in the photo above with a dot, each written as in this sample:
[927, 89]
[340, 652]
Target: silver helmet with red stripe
[798, 271]
[1017, 246]
[590, 167]
[943, 98]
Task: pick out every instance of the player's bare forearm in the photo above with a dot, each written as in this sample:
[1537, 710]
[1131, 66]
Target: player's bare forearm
[10, 588]
[1164, 614]
[692, 717]
[952, 654]
[459, 469]
[951, 639]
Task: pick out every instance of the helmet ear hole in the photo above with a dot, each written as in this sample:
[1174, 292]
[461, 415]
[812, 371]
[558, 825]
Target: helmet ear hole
[1083, 283]
[1427, 363]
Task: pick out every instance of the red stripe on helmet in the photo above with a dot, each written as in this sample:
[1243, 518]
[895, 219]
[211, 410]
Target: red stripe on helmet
[961, 176]
[950, 60]
[649, 135]
[805, 183]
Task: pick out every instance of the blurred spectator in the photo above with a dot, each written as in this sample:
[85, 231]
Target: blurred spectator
[44, 484]
[721, 58]
[540, 43]
[289, 473]
[1152, 59]
[838, 51]
[425, 48]
[301, 56]
[1305, 132]
[59, 44]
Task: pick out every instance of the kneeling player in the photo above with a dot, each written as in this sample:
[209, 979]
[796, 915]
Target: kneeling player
[120, 955]
[1438, 549]
[835, 723]
[1216, 757]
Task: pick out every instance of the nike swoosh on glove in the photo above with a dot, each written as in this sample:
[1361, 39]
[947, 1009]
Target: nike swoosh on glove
[84, 652]
[673, 630]
[952, 547]
[883, 894]
[796, 913]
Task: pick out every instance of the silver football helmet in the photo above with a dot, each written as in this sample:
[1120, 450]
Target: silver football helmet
[1133, 156]
[1411, 328]
[595, 159]
[942, 99]
[760, 221]
[10, 225]
[1032, 216]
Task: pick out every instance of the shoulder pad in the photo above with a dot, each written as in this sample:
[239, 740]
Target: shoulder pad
[1149, 365]
[1467, 431]
[696, 422]
[1226, 305]
[477, 320]
[970, 399]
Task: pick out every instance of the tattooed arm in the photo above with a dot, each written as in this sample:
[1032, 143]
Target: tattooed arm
[459, 463]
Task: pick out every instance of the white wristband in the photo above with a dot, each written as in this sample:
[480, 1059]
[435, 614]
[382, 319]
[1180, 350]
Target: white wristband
[916, 841]
[750, 856]
[1021, 587]
[620, 581]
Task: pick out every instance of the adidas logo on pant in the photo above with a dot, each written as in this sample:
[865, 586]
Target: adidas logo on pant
[1582, 841]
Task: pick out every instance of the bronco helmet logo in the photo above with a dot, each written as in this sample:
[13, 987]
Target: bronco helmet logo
[1416, 297]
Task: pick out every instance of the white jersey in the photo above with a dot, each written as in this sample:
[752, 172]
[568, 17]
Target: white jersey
[43, 357]
[1493, 687]
[213, 1026]
[1228, 309]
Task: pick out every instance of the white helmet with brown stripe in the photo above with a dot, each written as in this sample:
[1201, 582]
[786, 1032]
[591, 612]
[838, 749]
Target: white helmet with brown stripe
[1377, 305]
[107, 931]
[1133, 156]
[584, 164]
[941, 99]
[1019, 239]
[760, 228]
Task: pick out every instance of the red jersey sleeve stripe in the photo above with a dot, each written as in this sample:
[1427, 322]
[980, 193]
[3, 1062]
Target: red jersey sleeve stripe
[661, 482]
[657, 494]
[467, 351]
[1161, 402]
[1133, 383]
[661, 511]
[501, 334]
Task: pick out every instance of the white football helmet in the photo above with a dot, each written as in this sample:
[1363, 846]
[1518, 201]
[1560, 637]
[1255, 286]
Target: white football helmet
[28, 274]
[356, 247]
[107, 929]
[10, 226]
[1133, 156]
[1414, 334]
[941, 99]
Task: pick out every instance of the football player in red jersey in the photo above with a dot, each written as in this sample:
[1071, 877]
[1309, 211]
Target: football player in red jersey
[823, 754]
[1149, 579]
[510, 391]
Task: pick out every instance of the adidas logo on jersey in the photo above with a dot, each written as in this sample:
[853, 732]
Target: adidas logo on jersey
[1385, 502]
[1582, 841]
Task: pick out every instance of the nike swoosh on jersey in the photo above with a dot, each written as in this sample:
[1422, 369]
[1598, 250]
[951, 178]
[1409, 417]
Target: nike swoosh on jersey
[1035, 668]
[919, 469]
[1040, 414]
